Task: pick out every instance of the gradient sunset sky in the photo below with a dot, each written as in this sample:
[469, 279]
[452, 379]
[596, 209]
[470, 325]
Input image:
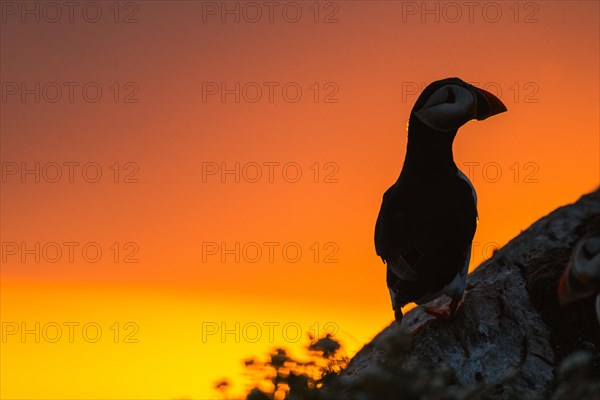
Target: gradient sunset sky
[144, 93]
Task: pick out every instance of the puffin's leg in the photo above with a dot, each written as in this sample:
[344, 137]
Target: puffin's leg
[398, 315]
[446, 312]
[455, 306]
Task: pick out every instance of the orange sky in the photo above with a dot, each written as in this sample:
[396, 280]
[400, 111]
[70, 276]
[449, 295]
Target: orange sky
[345, 135]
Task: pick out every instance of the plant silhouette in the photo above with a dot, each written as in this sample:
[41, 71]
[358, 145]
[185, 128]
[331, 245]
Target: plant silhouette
[282, 376]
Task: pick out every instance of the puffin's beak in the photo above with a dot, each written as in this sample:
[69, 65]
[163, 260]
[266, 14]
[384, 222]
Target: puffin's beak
[487, 104]
[581, 278]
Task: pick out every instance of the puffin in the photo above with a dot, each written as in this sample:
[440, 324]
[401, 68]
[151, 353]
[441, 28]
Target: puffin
[428, 218]
[581, 278]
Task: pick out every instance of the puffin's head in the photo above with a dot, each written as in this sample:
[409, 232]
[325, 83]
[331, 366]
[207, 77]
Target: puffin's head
[448, 104]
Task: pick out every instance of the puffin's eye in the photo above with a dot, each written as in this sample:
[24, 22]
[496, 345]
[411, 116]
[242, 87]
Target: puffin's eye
[451, 96]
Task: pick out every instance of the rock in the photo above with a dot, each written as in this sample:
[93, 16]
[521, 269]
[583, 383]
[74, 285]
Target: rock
[510, 335]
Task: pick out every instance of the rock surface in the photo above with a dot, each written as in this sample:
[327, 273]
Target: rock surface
[502, 339]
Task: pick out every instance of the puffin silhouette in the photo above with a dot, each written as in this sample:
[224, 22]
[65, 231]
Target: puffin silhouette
[428, 217]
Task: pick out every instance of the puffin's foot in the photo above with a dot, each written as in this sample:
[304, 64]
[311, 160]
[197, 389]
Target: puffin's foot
[439, 312]
[445, 312]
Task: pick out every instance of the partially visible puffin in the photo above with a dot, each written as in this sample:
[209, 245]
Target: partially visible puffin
[582, 275]
[428, 217]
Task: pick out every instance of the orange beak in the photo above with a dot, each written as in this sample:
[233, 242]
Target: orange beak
[487, 104]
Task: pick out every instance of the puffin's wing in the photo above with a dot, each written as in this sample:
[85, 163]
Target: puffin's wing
[426, 237]
[391, 245]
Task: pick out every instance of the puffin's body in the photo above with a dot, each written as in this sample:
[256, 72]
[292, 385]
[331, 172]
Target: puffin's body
[428, 217]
